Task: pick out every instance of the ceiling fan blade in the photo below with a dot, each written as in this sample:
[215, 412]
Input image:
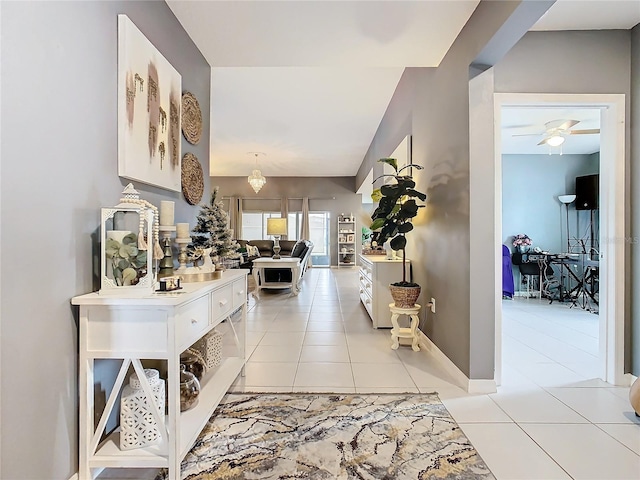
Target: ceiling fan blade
[527, 134]
[586, 131]
[513, 127]
[568, 124]
[543, 141]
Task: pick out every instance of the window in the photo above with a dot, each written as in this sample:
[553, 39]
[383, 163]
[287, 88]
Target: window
[254, 224]
[319, 232]
[294, 220]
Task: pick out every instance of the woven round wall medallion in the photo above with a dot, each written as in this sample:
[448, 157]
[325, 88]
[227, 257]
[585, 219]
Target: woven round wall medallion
[191, 118]
[192, 179]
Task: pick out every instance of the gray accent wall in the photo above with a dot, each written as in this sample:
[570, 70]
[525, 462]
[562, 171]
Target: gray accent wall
[59, 167]
[582, 62]
[332, 194]
[433, 106]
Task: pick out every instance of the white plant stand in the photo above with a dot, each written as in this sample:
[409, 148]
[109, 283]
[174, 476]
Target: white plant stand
[412, 332]
[158, 326]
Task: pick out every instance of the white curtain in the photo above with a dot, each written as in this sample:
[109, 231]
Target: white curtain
[304, 227]
[235, 216]
[284, 212]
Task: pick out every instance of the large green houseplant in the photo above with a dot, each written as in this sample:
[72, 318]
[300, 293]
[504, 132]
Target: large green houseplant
[391, 220]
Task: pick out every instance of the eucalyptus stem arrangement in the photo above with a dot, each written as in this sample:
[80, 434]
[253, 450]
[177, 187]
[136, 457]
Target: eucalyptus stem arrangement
[128, 262]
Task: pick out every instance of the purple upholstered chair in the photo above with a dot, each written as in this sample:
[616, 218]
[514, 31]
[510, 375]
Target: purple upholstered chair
[507, 273]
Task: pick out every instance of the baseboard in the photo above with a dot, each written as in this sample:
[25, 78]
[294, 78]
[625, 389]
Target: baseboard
[460, 379]
[523, 294]
[96, 472]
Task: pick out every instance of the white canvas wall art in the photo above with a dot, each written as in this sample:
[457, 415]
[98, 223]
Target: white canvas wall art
[149, 96]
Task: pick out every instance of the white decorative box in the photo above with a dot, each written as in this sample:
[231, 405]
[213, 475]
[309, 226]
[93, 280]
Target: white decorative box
[138, 427]
[210, 347]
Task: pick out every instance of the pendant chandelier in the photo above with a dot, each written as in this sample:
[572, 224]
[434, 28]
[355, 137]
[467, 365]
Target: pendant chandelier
[256, 180]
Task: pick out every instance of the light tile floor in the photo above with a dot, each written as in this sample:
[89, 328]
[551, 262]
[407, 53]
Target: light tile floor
[550, 419]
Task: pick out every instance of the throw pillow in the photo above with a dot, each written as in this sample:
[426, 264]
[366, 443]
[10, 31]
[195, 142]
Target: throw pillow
[298, 250]
[252, 251]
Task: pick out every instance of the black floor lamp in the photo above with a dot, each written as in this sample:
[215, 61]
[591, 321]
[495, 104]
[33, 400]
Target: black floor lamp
[567, 199]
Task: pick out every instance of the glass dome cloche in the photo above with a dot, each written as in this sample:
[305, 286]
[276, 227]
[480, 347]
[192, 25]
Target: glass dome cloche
[129, 246]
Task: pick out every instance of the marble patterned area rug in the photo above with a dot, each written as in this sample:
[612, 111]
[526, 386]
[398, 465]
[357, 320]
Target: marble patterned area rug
[332, 436]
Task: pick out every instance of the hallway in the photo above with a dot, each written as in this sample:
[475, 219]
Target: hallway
[551, 418]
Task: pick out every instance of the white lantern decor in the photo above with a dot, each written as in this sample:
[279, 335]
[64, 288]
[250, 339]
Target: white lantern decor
[129, 245]
[138, 427]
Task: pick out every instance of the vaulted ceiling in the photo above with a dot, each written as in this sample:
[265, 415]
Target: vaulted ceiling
[307, 83]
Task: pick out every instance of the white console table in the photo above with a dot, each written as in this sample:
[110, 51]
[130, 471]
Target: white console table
[376, 273]
[157, 327]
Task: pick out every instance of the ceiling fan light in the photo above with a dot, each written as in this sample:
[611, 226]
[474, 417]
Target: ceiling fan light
[555, 140]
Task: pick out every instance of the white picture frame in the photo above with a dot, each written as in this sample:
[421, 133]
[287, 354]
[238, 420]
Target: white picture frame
[149, 110]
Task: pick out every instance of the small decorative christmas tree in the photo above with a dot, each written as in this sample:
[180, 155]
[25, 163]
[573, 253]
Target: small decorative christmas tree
[211, 231]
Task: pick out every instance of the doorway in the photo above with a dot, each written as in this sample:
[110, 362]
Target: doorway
[612, 213]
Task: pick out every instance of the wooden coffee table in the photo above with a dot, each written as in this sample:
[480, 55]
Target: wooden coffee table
[260, 265]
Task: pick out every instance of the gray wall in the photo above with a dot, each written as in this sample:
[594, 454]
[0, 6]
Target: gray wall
[634, 326]
[426, 104]
[432, 105]
[59, 167]
[583, 62]
[530, 188]
[333, 194]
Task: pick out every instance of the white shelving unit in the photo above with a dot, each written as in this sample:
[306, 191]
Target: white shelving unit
[346, 241]
[157, 327]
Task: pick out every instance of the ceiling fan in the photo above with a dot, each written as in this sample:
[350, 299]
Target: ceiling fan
[555, 132]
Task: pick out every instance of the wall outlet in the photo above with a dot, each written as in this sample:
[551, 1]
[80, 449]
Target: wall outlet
[432, 304]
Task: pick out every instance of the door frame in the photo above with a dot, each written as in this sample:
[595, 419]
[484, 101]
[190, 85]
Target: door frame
[612, 219]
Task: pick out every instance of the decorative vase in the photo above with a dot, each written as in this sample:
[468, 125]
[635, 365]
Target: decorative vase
[193, 362]
[405, 297]
[634, 396]
[189, 389]
[138, 427]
